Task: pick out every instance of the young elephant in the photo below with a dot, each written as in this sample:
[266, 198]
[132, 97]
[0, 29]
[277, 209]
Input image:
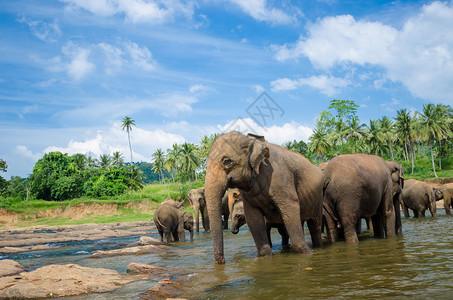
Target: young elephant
[198, 201]
[418, 196]
[238, 220]
[172, 221]
[446, 191]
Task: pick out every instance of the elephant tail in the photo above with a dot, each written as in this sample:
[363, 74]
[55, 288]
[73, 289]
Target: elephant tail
[328, 206]
[156, 220]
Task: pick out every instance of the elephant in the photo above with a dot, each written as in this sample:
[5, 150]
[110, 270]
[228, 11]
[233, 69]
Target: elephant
[275, 183]
[238, 220]
[198, 201]
[173, 203]
[446, 191]
[419, 196]
[361, 186]
[172, 221]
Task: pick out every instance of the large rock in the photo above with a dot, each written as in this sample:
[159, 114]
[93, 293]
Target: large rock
[137, 268]
[129, 251]
[10, 267]
[146, 240]
[61, 281]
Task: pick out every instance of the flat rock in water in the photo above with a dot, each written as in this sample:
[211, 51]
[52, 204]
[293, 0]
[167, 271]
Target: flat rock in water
[26, 248]
[10, 267]
[61, 281]
[137, 268]
[129, 251]
[146, 240]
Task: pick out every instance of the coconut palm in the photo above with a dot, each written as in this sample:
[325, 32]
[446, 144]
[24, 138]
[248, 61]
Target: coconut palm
[158, 158]
[117, 160]
[173, 161]
[127, 124]
[319, 143]
[374, 137]
[189, 159]
[80, 161]
[405, 130]
[388, 131]
[354, 130]
[104, 161]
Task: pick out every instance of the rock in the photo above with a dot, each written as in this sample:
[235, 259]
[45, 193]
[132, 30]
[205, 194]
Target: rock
[61, 281]
[10, 267]
[129, 251]
[26, 248]
[146, 240]
[137, 268]
[163, 291]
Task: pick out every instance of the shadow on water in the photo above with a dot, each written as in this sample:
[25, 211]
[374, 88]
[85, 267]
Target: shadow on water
[418, 264]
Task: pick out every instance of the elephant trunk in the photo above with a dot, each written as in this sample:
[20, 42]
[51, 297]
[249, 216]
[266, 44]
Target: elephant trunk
[191, 234]
[196, 208]
[215, 187]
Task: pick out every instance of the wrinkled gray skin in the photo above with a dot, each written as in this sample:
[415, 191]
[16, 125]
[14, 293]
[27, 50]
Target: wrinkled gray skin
[198, 201]
[276, 183]
[446, 192]
[419, 196]
[238, 220]
[361, 186]
[171, 222]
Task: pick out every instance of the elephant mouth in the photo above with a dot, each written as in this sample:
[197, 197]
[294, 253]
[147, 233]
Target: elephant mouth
[234, 230]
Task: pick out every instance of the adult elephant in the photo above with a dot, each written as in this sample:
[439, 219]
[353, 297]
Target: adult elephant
[446, 191]
[276, 183]
[198, 201]
[360, 186]
[171, 222]
[419, 196]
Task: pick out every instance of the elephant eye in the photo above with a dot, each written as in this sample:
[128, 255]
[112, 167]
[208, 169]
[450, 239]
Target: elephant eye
[226, 161]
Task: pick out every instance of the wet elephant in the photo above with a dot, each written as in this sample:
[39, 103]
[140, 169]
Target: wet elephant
[198, 201]
[276, 183]
[238, 220]
[171, 222]
[418, 196]
[446, 191]
[361, 186]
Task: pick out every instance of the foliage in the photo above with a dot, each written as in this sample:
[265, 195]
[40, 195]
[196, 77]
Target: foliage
[3, 165]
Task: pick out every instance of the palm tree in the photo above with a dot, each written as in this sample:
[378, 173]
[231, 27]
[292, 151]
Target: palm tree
[443, 113]
[189, 159]
[158, 158]
[117, 160]
[375, 137]
[80, 161]
[432, 127]
[386, 126]
[354, 130]
[105, 161]
[319, 143]
[127, 124]
[405, 126]
[173, 161]
[137, 177]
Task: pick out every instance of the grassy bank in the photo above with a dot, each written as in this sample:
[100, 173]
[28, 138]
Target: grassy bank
[129, 207]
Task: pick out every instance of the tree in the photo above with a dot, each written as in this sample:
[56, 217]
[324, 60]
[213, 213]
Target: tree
[189, 159]
[104, 161]
[319, 143]
[158, 158]
[173, 160]
[374, 137]
[386, 126]
[405, 130]
[354, 130]
[117, 160]
[127, 124]
[3, 165]
[297, 146]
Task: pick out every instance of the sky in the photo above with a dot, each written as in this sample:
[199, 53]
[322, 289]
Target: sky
[71, 70]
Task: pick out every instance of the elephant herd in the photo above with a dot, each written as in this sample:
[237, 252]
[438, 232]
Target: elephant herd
[268, 186]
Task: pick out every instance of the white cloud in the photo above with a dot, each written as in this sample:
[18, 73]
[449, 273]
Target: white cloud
[200, 89]
[274, 134]
[420, 54]
[78, 66]
[260, 10]
[327, 85]
[140, 56]
[136, 11]
[26, 153]
[44, 31]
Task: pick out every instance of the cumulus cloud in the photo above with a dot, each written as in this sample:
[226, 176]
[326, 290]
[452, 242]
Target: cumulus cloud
[274, 134]
[420, 54]
[136, 11]
[260, 10]
[327, 85]
[144, 143]
[23, 151]
[78, 65]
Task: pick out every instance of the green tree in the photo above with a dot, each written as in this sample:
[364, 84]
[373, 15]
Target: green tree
[3, 165]
[117, 160]
[297, 146]
[375, 137]
[158, 159]
[189, 159]
[388, 131]
[319, 143]
[127, 124]
[173, 161]
[354, 131]
[80, 161]
[405, 130]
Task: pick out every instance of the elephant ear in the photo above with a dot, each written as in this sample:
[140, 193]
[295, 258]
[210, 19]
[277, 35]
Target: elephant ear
[259, 151]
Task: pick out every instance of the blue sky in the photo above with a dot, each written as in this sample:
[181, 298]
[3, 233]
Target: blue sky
[70, 70]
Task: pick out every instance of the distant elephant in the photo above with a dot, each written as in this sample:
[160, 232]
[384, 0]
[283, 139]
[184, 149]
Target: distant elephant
[198, 201]
[418, 196]
[238, 220]
[172, 221]
[173, 203]
[446, 191]
[276, 183]
[360, 186]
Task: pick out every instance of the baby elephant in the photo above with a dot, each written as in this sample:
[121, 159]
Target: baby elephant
[238, 220]
[419, 196]
[172, 221]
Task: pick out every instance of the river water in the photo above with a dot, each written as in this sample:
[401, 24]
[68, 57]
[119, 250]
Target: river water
[418, 264]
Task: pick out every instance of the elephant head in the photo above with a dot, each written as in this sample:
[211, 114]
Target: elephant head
[233, 162]
[197, 199]
[438, 194]
[237, 217]
[234, 196]
[187, 218]
[396, 171]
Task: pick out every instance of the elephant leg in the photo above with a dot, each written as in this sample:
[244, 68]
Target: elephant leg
[389, 215]
[225, 220]
[422, 213]
[331, 229]
[268, 231]
[350, 233]
[314, 226]
[358, 226]
[291, 219]
[447, 204]
[405, 211]
[205, 219]
[348, 220]
[160, 233]
[285, 237]
[257, 227]
[378, 227]
[416, 214]
[168, 235]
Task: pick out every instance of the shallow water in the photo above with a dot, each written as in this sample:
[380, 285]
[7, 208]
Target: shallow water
[417, 264]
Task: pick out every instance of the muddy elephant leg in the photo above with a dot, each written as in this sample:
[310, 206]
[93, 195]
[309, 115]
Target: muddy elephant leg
[160, 233]
[168, 235]
[349, 221]
[268, 231]
[291, 219]
[390, 222]
[422, 213]
[285, 237]
[331, 229]
[257, 227]
[447, 204]
[314, 226]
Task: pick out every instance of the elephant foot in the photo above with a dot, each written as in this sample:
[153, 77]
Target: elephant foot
[301, 249]
[265, 250]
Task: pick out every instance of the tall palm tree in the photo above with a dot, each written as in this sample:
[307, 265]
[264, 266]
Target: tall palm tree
[127, 124]
[189, 159]
[104, 161]
[443, 113]
[319, 143]
[431, 128]
[117, 160]
[158, 158]
[405, 130]
[354, 130]
[375, 137]
[388, 131]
